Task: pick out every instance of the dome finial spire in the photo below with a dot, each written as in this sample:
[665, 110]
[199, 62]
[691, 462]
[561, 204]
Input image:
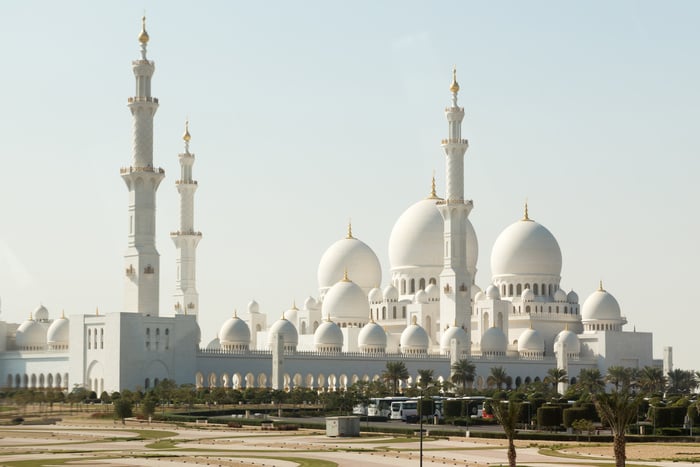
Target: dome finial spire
[345, 275]
[143, 37]
[350, 228]
[526, 216]
[235, 313]
[600, 286]
[186, 137]
[433, 190]
[454, 87]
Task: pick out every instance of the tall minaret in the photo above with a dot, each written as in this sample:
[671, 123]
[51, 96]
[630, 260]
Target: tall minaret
[186, 239]
[141, 259]
[455, 294]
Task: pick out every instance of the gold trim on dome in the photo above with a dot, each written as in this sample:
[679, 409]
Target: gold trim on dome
[454, 87]
[143, 37]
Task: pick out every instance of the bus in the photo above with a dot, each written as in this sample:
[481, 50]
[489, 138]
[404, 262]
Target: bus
[404, 410]
[380, 407]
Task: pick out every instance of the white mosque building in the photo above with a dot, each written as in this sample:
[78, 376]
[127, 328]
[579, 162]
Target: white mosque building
[429, 315]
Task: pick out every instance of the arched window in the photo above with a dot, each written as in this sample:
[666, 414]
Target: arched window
[393, 314]
[383, 312]
[433, 281]
[557, 308]
[536, 289]
[503, 290]
[413, 286]
[89, 339]
[102, 338]
[167, 339]
[403, 286]
[527, 309]
[403, 312]
[519, 289]
[510, 290]
[566, 309]
[147, 383]
[544, 289]
[148, 338]
[421, 284]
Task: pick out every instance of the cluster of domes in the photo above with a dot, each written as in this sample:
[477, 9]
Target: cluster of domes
[352, 257]
[38, 331]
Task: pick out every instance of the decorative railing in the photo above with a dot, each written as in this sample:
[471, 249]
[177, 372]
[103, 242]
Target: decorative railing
[131, 169]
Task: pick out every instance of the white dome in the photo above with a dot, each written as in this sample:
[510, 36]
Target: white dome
[58, 334]
[418, 235]
[528, 295]
[572, 298]
[353, 256]
[30, 335]
[328, 337]
[292, 313]
[476, 290]
[390, 293]
[253, 307]
[432, 291]
[310, 303]
[414, 339]
[526, 248]
[421, 297]
[372, 338]
[570, 341]
[41, 313]
[288, 332]
[494, 341]
[480, 296]
[375, 295]
[531, 341]
[214, 344]
[345, 302]
[492, 292]
[454, 332]
[560, 296]
[234, 334]
[600, 305]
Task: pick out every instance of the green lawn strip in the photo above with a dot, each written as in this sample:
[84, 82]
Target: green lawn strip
[52, 461]
[302, 461]
[168, 444]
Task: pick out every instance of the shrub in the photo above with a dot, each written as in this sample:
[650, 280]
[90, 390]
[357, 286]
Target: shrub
[570, 415]
[549, 416]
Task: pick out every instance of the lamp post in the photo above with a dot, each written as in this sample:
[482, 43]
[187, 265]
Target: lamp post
[420, 415]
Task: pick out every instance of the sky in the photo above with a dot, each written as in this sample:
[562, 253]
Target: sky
[306, 114]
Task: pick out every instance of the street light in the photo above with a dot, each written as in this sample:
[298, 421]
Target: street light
[420, 415]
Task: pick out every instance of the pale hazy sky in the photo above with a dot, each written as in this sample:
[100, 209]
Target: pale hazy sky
[304, 114]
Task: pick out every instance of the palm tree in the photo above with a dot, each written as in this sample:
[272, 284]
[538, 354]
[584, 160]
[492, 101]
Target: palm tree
[395, 372]
[556, 376]
[463, 372]
[618, 409]
[591, 380]
[425, 378]
[618, 376]
[498, 377]
[507, 413]
[681, 381]
[652, 379]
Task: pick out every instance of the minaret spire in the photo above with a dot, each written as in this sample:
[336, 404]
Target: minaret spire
[186, 238]
[142, 261]
[455, 280]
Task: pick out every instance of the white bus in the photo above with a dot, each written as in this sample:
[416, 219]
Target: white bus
[404, 410]
[380, 407]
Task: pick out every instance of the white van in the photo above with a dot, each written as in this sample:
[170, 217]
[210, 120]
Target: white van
[404, 410]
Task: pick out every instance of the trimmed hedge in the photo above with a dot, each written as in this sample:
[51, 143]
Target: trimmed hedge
[549, 416]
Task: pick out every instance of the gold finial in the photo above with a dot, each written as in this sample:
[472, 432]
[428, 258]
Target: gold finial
[345, 275]
[294, 305]
[526, 217]
[567, 327]
[235, 313]
[414, 320]
[433, 191]
[143, 37]
[600, 286]
[186, 136]
[454, 87]
[283, 317]
[63, 314]
[31, 318]
[349, 229]
[328, 317]
[371, 317]
[97, 311]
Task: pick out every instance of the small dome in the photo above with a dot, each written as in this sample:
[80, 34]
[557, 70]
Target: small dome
[433, 292]
[572, 298]
[421, 297]
[346, 302]
[559, 296]
[41, 314]
[528, 295]
[310, 303]
[493, 342]
[214, 344]
[476, 290]
[292, 313]
[414, 339]
[454, 332]
[30, 335]
[58, 334]
[570, 341]
[492, 292]
[328, 337]
[234, 334]
[531, 341]
[372, 338]
[288, 332]
[600, 305]
[253, 307]
[480, 296]
[526, 248]
[390, 293]
[351, 256]
[375, 295]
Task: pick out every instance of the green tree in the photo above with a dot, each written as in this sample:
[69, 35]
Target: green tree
[652, 380]
[591, 380]
[123, 408]
[556, 376]
[148, 405]
[498, 377]
[426, 378]
[681, 381]
[618, 409]
[618, 376]
[463, 373]
[395, 372]
[507, 413]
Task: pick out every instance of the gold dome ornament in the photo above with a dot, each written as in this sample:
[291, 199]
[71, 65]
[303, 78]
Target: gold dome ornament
[186, 136]
[454, 87]
[143, 36]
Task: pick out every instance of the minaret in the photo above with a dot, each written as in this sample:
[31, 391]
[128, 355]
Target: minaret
[141, 259]
[186, 239]
[455, 294]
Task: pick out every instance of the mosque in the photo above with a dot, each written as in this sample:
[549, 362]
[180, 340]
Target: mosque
[430, 314]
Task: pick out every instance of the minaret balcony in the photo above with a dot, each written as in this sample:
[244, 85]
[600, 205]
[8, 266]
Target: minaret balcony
[181, 233]
[185, 182]
[454, 141]
[131, 169]
[143, 99]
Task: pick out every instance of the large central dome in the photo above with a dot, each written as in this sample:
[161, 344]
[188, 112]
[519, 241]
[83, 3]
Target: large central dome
[526, 248]
[352, 256]
[417, 237]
